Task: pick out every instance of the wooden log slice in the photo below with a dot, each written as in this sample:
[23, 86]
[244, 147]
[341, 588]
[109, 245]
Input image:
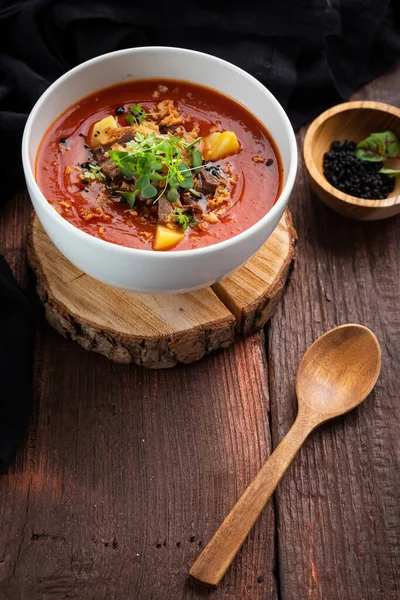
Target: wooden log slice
[160, 331]
[253, 292]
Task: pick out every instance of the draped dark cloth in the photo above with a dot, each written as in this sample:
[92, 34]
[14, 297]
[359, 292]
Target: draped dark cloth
[310, 53]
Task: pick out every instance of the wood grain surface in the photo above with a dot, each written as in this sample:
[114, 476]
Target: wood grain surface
[338, 506]
[352, 121]
[160, 331]
[126, 473]
[337, 373]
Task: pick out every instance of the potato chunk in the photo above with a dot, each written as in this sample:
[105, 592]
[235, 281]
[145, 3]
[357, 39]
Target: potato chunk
[100, 131]
[166, 238]
[218, 145]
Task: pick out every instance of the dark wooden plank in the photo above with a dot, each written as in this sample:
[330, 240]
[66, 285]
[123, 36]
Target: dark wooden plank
[88, 506]
[126, 473]
[338, 515]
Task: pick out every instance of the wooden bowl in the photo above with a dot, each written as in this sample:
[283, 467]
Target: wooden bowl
[352, 121]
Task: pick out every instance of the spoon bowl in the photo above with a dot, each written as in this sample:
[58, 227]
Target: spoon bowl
[337, 373]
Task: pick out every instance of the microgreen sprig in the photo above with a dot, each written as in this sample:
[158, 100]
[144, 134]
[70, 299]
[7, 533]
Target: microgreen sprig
[130, 197]
[196, 156]
[137, 114]
[142, 185]
[94, 173]
[157, 160]
[184, 220]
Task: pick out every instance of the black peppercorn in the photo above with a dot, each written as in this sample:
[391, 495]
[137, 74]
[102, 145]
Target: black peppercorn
[354, 176]
[120, 110]
[269, 162]
[63, 140]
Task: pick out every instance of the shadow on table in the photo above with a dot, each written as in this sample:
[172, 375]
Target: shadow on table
[339, 234]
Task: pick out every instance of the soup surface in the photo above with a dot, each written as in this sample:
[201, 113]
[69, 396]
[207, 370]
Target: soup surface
[159, 165]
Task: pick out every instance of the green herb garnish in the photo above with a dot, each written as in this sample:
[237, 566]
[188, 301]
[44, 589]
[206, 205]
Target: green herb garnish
[130, 197]
[94, 173]
[155, 159]
[390, 172]
[197, 160]
[137, 115]
[378, 147]
[185, 179]
[196, 156]
[184, 220]
[173, 195]
[143, 186]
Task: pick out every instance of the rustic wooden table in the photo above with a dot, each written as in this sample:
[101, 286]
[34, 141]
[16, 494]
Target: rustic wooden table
[125, 473]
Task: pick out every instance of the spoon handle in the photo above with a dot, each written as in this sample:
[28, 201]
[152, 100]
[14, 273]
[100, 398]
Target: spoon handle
[213, 562]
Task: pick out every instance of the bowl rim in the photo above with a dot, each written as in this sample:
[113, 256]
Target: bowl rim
[316, 174]
[277, 208]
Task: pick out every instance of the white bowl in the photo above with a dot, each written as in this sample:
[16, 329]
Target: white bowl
[147, 271]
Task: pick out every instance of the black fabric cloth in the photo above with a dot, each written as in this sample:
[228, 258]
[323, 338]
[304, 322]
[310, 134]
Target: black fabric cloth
[16, 363]
[309, 53]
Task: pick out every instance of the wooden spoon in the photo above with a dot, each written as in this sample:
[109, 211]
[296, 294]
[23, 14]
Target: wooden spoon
[337, 373]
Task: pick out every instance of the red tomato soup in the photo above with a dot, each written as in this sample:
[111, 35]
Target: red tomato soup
[159, 165]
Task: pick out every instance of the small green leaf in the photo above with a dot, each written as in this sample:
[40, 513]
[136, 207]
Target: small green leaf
[142, 182]
[175, 139]
[155, 166]
[94, 173]
[173, 195]
[197, 160]
[139, 114]
[392, 144]
[184, 220]
[130, 197]
[370, 150]
[143, 165]
[390, 172]
[183, 168]
[124, 161]
[157, 177]
[187, 183]
[368, 155]
[95, 168]
[149, 192]
[378, 146]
